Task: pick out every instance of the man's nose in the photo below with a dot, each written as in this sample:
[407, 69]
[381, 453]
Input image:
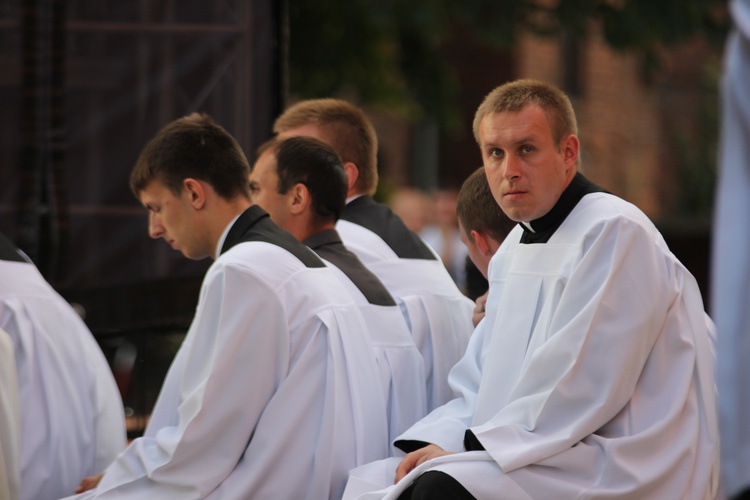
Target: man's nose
[512, 167]
[155, 230]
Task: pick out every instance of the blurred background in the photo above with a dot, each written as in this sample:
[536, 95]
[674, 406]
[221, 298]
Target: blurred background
[85, 83]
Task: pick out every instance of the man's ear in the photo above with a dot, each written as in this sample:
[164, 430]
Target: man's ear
[481, 242]
[299, 199]
[352, 174]
[196, 192]
[570, 148]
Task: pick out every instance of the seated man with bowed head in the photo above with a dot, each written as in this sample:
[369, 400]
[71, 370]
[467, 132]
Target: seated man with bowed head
[270, 394]
[483, 227]
[72, 423]
[438, 314]
[591, 376]
[302, 184]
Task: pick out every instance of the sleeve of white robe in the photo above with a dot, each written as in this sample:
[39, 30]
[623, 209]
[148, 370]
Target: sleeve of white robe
[610, 313]
[10, 454]
[236, 346]
[446, 425]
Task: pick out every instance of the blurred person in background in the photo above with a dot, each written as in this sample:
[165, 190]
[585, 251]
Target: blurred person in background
[730, 271]
[443, 236]
[413, 206]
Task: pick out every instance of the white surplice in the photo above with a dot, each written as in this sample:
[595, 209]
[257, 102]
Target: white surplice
[400, 364]
[591, 375]
[438, 314]
[270, 395]
[10, 427]
[72, 419]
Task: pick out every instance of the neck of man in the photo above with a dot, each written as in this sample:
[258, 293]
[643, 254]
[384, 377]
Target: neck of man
[223, 212]
[304, 231]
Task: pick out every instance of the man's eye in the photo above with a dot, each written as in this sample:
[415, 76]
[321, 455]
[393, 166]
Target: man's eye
[526, 149]
[497, 153]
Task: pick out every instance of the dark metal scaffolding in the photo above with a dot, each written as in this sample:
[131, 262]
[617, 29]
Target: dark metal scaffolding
[84, 84]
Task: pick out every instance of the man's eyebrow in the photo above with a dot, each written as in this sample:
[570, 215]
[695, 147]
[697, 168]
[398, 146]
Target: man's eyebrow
[523, 140]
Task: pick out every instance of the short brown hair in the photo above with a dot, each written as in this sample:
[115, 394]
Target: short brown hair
[194, 146]
[478, 210]
[346, 128]
[514, 96]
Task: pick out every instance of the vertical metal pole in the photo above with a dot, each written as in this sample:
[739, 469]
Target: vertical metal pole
[43, 206]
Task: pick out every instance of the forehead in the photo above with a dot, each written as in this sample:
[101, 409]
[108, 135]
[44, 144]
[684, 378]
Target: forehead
[264, 169]
[155, 191]
[528, 123]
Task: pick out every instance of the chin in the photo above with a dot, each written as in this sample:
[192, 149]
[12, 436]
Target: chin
[512, 215]
[195, 255]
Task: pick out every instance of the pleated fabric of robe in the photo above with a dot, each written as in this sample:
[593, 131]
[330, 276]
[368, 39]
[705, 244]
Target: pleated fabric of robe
[400, 364]
[438, 314]
[72, 418]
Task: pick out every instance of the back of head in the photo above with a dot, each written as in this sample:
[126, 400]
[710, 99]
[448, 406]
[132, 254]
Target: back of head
[316, 165]
[193, 147]
[346, 128]
[478, 211]
[516, 95]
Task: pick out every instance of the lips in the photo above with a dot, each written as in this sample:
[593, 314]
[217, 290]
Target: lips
[514, 194]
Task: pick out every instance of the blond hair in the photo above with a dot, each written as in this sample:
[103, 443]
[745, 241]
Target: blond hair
[346, 128]
[516, 95]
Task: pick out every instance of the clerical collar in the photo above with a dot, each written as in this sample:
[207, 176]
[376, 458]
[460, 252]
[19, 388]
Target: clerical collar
[9, 252]
[541, 230]
[354, 197]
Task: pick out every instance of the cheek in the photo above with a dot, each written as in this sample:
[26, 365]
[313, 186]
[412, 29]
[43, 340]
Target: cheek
[494, 188]
[494, 172]
[259, 199]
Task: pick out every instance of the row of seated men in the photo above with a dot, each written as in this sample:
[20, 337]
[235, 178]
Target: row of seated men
[325, 331]
[310, 372]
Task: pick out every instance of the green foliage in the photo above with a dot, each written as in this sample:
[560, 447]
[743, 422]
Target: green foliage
[382, 52]
[387, 53]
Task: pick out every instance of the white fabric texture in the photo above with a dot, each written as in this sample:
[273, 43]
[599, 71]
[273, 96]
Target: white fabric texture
[438, 314]
[730, 287]
[400, 363]
[591, 375]
[72, 419]
[270, 395]
[10, 427]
